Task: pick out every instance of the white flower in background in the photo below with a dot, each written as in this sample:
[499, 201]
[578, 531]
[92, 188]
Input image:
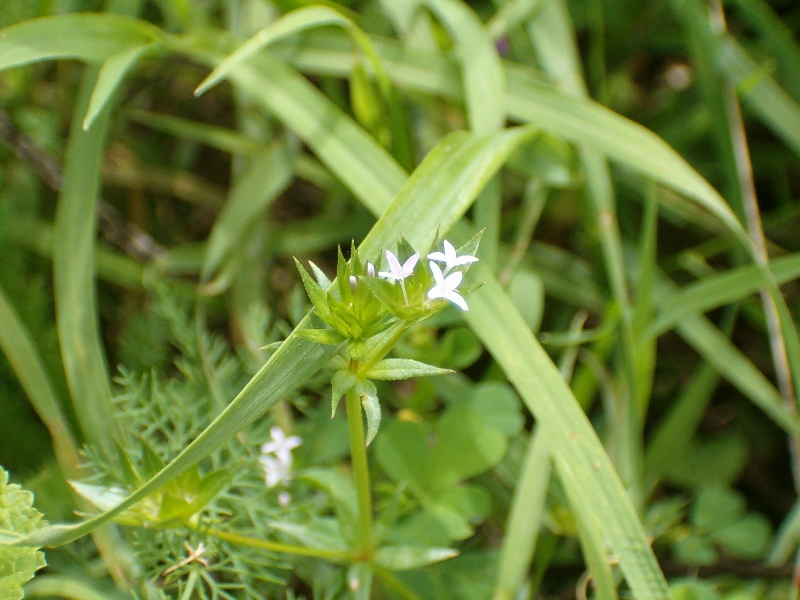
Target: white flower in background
[276, 471]
[398, 272]
[446, 287]
[450, 258]
[281, 445]
[276, 461]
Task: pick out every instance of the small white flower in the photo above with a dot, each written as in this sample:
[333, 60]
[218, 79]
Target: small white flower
[284, 499]
[398, 272]
[275, 470]
[370, 269]
[281, 445]
[446, 287]
[450, 258]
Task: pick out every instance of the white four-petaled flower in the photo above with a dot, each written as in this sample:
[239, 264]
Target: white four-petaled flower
[398, 272]
[277, 469]
[446, 287]
[450, 258]
[281, 445]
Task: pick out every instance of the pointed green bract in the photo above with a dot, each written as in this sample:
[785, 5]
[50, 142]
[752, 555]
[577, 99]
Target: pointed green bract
[372, 408]
[402, 368]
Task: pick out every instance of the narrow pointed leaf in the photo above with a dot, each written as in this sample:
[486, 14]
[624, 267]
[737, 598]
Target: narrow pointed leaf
[112, 72]
[402, 558]
[290, 24]
[402, 368]
[372, 409]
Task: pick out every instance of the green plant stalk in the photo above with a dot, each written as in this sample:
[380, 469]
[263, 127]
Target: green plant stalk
[244, 540]
[358, 454]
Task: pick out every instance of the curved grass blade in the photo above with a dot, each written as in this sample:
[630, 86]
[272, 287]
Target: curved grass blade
[524, 519]
[24, 358]
[290, 24]
[773, 106]
[719, 289]
[582, 461]
[74, 275]
[102, 36]
[264, 180]
[111, 75]
[484, 83]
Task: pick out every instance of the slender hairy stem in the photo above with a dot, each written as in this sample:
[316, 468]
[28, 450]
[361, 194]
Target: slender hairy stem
[358, 453]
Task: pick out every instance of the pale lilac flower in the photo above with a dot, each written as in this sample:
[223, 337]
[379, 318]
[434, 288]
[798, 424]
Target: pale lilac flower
[284, 499]
[450, 258]
[370, 269]
[281, 445]
[446, 287]
[398, 272]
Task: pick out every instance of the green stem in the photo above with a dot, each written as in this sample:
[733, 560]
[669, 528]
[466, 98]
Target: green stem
[358, 453]
[274, 546]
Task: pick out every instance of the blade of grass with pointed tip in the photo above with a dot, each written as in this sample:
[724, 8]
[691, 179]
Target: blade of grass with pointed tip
[112, 72]
[227, 140]
[524, 519]
[484, 96]
[484, 83]
[719, 289]
[74, 276]
[290, 24]
[759, 92]
[778, 38]
[21, 352]
[101, 36]
[720, 352]
[582, 460]
[265, 179]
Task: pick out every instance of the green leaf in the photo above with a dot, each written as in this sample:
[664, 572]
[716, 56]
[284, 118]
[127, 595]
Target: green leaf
[401, 558]
[499, 406]
[17, 518]
[401, 452]
[25, 360]
[717, 507]
[322, 279]
[112, 72]
[265, 178]
[100, 37]
[484, 82]
[82, 349]
[582, 460]
[747, 539]
[322, 533]
[372, 408]
[390, 369]
[464, 447]
[290, 24]
[317, 295]
[341, 491]
[341, 381]
[327, 337]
